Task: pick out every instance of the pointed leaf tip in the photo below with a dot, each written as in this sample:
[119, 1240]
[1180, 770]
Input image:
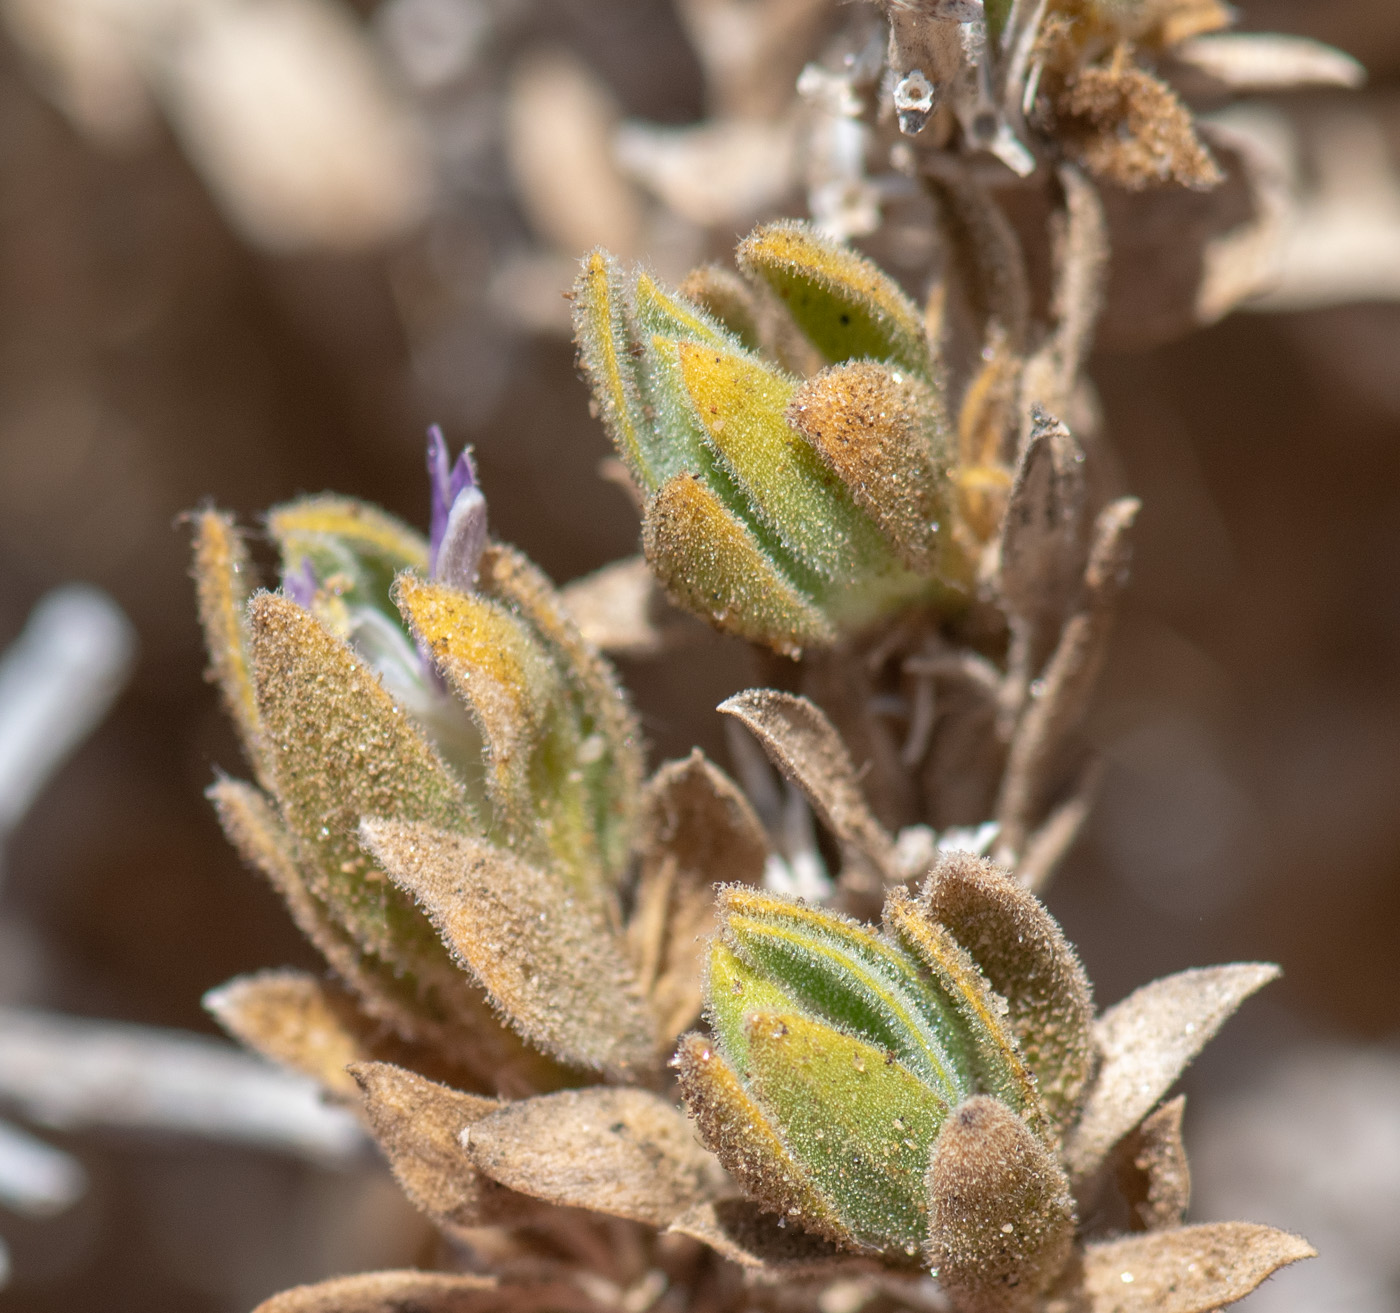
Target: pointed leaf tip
[418, 1125]
[1146, 1042]
[1193, 1269]
[546, 956]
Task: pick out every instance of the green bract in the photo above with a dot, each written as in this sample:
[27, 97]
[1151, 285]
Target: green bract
[870, 1085]
[784, 509]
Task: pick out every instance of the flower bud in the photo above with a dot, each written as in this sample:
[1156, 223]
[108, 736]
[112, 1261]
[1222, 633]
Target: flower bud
[867, 1084]
[784, 511]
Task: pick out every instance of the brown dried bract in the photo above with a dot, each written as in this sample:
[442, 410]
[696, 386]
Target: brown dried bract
[1153, 1172]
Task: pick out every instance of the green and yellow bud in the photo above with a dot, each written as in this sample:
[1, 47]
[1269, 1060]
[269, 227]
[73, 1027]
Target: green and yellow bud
[785, 510]
[874, 1087]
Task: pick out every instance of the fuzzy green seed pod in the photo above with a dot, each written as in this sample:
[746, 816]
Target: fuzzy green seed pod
[872, 1086]
[782, 510]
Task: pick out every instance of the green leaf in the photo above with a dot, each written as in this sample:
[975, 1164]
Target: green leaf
[741, 403]
[610, 759]
[843, 973]
[606, 350]
[855, 1117]
[1000, 1068]
[714, 565]
[738, 1132]
[843, 302]
[339, 748]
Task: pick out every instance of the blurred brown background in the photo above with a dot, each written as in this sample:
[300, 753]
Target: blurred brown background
[151, 358]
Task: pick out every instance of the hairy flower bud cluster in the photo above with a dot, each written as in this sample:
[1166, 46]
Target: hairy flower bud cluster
[885, 1090]
[395, 682]
[784, 509]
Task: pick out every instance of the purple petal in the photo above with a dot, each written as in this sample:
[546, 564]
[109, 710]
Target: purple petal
[457, 534]
[301, 584]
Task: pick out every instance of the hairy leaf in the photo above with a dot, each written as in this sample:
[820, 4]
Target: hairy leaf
[739, 1230]
[884, 434]
[859, 1120]
[1000, 1068]
[418, 1124]
[600, 324]
[293, 1019]
[840, 971]
[697, 829]
[1147, 1041]
[805, 746]
[1001, 1218]
[390, 1292]
[1025, 958]
[625, 1152]
[843, 302]
[224, 580]
[516, 696]
[1154, 1175]
[741, 403]
[443, 1009]
[340, 748]
[1193, 1269]
[738, 1132]
[715, 566]
[611, 758]
[547, 957]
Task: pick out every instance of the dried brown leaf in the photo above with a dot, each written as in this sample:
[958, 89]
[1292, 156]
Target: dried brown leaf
[696, 829]
[293, 1019]
[1041, 544]
[737, 1229]
[1001, 1218]
[1267, 61]
[1025, 958]
[549, 961]
[1067, 683]
[1146, 1042]
[390, 1292]
[983, 248]
[1153, 1172]
[804, 745]
[625, 1152]
[1194, 1269]
[418, 1124]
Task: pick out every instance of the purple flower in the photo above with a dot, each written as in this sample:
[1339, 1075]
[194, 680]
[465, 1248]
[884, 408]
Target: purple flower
[457, 534]
[301, 584]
